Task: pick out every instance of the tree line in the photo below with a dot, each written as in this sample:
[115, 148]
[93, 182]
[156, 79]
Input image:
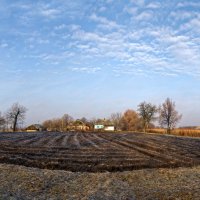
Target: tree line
[141, 119]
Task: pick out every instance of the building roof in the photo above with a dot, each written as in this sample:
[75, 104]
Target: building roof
[35, 127]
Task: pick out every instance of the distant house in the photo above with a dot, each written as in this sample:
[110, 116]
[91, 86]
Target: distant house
[101, 127]
[109, 128]
[78, 125]
[82, 127]
[35, 128]
[98, 127]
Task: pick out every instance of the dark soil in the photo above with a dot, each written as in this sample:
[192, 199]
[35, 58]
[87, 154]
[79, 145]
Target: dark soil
[98, 152]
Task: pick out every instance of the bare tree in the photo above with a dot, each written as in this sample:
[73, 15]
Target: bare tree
[58, 124]
[48, 124]
[116, 119]
[15, 115]
[66, 120]
[168, 116]
[147, 113]
[2, 121]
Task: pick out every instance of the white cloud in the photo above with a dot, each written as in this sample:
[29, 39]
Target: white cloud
[88, 36]
[188, 4]
[153, 5]
[146, 15]
[51, 13]
[108, 24]
[130, 10]
[102, 9]
[74, 27]
[123, 40]
[181, 15]
[42, 41]
[89, 70]
[60, 27]
[168, 51]
[3, 45]
[138, 2]
[193, 24]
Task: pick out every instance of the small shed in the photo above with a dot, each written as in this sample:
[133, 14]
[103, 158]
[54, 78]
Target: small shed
[35, 128]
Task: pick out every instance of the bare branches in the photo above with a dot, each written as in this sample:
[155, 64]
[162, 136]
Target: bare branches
[2, 121]
[116, 119]
[147, 113]
[15, 115]
[168, 116]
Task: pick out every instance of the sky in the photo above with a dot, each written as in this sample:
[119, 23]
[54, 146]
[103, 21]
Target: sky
[93, 58]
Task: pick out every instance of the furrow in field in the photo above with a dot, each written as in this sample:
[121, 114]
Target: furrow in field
[73, 141]
[40, 141]
[88, 141]
[174, 153]
[76, 140]
[36, 140]
[169, 149]
[65, 140]
[152, 154]
[107, 143]
[98, 151]
[27, 140]
[57, 141]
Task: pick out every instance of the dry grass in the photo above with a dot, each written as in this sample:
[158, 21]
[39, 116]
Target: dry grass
[179, 132]
[18, 182]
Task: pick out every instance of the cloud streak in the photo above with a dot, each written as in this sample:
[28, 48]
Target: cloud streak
[133, 35]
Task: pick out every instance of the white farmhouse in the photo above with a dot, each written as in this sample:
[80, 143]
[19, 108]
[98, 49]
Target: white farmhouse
[109, 128]
[101, 127]
[98, 127]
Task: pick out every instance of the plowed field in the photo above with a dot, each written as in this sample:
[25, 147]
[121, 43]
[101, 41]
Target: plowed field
[98, 152]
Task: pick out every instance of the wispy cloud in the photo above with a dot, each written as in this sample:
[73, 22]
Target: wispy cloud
[153, 5]
[3, 45]
[133, 35]
[146, 15]
[104, 22]
[138, 2]
[51, 13]
[89, 70]
[187, 4]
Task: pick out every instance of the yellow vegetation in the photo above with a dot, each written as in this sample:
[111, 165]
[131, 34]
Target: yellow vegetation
[178, 131]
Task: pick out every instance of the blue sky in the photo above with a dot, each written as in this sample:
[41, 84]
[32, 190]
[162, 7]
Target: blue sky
[92, 58]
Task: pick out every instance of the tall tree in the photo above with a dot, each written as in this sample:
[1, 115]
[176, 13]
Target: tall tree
[168, 116]
[130, 121]
[147, 113]
[66, 120]
[15, 115]
[2, 121]
[116, 119]
[48, 124]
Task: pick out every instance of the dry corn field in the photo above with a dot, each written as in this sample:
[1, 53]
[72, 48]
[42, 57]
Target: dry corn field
[179, 132]
[98, 152]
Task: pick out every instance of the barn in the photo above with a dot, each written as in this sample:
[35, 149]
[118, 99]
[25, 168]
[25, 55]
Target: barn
[35, 128]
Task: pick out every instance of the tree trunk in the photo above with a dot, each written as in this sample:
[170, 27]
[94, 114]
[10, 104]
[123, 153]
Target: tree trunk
[15, 122]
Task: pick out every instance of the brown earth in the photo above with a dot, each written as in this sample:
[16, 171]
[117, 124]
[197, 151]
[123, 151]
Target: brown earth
[23, 183]
[173, 166]
[98, 152]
